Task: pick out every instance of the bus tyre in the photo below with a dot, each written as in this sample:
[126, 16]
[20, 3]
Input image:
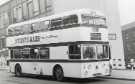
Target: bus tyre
[58, 73]
[18, 71]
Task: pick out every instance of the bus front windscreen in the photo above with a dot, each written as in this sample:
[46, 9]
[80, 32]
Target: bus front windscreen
[95, 52]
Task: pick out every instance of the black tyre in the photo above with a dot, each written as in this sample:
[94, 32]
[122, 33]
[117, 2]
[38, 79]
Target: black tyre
[58, 73]
[18, 71]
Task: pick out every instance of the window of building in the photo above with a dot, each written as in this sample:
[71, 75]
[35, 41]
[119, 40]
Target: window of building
[36, 7]
[74, 52]
[42, 6]
[6, 18]
[18, 1]
[112, 36]
[19, 11]
[49, 3]
[30, 9]
[49, 7]
[14, 14]
[25, 11]
[44, 53]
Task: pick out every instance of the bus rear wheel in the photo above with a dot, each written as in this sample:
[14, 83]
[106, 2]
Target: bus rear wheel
[18, 71]
[58, 73]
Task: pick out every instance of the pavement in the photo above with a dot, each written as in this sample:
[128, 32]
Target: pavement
[4, 68]
[122, 75]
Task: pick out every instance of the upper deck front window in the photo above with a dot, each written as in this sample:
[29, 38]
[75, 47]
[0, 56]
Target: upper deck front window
[98, 21]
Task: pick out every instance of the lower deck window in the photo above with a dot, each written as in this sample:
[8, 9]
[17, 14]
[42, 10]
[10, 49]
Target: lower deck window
[74, 52]
[30, 53]
[44, 53]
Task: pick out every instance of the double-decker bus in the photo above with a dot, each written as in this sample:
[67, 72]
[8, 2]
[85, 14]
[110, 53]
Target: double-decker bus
[70, 44]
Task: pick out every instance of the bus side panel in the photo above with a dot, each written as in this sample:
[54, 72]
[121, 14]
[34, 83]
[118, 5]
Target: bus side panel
[44, 68]
[69, 69]
[94, 69]
[60, 52]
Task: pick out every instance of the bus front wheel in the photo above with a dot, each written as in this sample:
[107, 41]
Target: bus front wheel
[18, 70]
[58, 73]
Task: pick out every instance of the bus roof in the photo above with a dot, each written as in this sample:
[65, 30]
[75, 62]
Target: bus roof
[77, 11]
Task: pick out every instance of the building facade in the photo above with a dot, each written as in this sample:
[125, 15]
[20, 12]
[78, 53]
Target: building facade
[15, 11]
[21, 10]
[128, 33]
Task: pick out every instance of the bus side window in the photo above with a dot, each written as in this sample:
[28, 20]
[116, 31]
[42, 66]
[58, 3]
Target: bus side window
[26, 29]
[16, 53]
[12, 54]
[70, 21]
[44, 53]
[44, 25]
[35, 27]
[74, 52]
[25, 53]
[33, 54]
[17, 30]
[10, 32]
[56, 24]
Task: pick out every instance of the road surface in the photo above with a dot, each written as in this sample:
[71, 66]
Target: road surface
[8, 78]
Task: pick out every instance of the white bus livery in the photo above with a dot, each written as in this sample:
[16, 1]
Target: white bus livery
[71, 44]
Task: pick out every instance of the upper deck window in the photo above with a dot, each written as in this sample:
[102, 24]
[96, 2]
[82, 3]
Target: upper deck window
[35, 27]
[70, 20]
[44, 25]
[96, 20]
[64, 22]
[56, 23]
